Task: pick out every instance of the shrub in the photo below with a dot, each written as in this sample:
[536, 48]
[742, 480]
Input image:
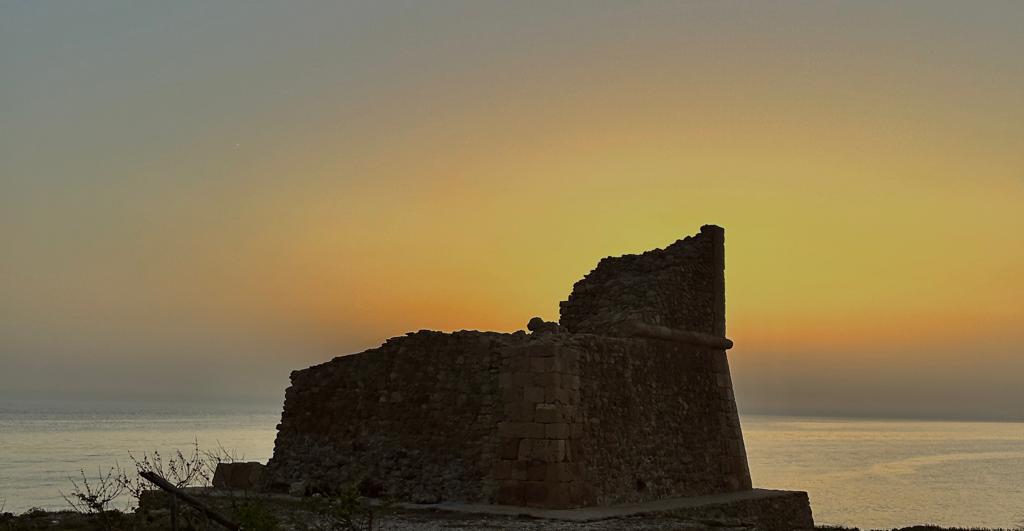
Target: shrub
[95, 497]
[253, 516]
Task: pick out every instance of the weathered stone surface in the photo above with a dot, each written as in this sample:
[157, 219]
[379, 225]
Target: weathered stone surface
[754, 510]
[540, 326]
[240, 476]
[681, 286]
[342, 422]
[662, 429]
[784, 511]
[579, 417]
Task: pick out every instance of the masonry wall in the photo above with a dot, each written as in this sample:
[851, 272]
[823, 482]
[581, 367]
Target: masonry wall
[549, 419]
[540, 385]
[659, 420]
[414, 418]
[681, 286]
[594, 420]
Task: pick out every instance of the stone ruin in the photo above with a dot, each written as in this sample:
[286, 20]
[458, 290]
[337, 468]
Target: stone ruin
[627, 399]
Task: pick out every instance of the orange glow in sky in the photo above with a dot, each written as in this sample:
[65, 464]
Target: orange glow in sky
[274, 188]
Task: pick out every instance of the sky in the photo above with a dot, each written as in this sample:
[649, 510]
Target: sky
[198, 197]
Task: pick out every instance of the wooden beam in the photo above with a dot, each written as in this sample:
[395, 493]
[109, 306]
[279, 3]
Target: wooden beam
[165, 485]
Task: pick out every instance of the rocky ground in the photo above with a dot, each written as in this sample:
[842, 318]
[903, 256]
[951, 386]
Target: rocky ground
[346, 512]
[300, 518]
[391, 522]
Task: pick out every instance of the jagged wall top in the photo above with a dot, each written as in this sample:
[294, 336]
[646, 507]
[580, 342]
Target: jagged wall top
[681, 287]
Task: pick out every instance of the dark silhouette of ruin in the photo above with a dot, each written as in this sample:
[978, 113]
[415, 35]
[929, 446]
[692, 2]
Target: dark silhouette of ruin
[627, 399]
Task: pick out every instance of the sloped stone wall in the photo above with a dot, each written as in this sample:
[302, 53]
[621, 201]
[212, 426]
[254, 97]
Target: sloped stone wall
[594, 420]
[659, 420]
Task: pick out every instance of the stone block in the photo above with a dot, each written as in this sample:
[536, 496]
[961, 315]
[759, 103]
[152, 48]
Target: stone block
[522, 378]
[536, 493]
[518, 363]
[508, 449]
[561, 472]
[548, 364]
[511, 394]
[543, 450]
[548, 413]
[540, 350]
[562, 495]
[552, 413]
[719, 362]
[555, 395]
[511, 492]
[520, 411]
[546, 379]
[522, 430]
[506, 469]
[238, 476]
[534, 394]
[537, 471]
[558, 430]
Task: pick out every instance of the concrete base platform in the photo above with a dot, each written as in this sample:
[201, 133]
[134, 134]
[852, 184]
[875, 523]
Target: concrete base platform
[771, 510]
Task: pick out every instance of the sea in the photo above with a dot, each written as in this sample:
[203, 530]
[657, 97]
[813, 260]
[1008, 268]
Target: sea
[866, 473]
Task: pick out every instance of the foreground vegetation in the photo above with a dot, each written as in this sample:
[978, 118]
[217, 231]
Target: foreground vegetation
[348, 510]
[118, 499]
[250, 512]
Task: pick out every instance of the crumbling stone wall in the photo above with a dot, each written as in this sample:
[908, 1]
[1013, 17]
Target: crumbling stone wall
[415, 418]
[681, 286]
[589, 412]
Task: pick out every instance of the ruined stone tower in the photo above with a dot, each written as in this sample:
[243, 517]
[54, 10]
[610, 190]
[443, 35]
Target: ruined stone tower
[628, 400]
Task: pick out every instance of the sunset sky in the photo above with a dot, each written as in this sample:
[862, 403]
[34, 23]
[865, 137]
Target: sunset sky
[197, 198]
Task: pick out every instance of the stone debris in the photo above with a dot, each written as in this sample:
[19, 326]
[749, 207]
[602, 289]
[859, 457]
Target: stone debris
[238, 476]
[540, 326]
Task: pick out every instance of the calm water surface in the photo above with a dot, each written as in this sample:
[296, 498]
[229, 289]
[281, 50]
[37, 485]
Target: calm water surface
[866, 473]
[43, 442]
[888, 473]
